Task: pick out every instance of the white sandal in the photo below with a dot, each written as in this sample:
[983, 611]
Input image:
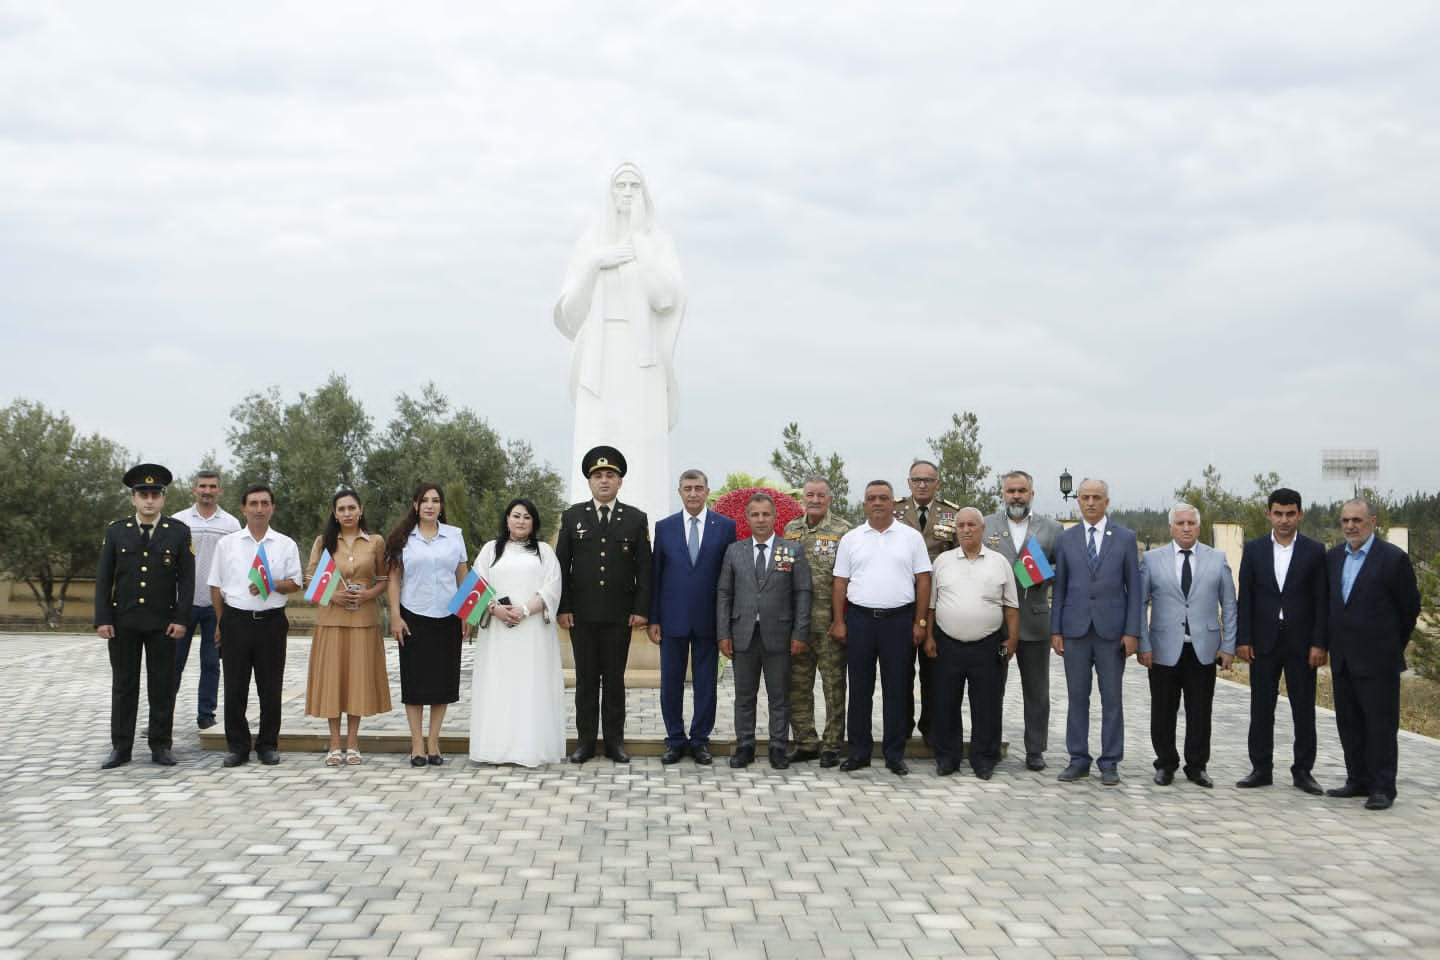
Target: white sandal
[353, 758]
[332, 759]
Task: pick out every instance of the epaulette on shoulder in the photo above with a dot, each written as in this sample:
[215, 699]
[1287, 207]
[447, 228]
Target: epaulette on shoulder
[949, 503]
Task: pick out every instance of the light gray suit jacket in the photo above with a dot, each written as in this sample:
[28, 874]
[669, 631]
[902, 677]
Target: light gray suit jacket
[1034, 601]
[1210, 608]
[781, 599]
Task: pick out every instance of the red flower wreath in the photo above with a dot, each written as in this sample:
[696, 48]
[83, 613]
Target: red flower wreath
[732, 505]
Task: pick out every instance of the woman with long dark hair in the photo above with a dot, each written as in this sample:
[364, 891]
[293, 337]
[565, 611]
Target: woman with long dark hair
[517, 710]
[427, 562]
[347, 656]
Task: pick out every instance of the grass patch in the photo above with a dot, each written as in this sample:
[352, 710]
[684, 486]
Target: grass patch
[1419, 698]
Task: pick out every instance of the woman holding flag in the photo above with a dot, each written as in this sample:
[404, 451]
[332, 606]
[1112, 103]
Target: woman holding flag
[346, 575]
[517, 710]
[427, 560]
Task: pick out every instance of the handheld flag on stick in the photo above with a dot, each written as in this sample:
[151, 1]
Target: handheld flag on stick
[326, 579]
[1031, 567]
[471, 599]
[260, 573]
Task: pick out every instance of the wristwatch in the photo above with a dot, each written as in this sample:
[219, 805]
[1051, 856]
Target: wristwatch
[922, 622]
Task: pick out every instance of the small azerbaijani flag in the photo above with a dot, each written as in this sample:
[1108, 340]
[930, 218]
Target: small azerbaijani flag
[260, 573]
[1031, 567]
[323, 584]
[472, 598]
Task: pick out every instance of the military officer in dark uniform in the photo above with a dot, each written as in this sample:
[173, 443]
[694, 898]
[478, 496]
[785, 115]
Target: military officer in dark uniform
[144, 587]
[934, 517]
[604, 554]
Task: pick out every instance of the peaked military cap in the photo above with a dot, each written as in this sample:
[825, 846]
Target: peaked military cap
[603, 458]
[148, 476]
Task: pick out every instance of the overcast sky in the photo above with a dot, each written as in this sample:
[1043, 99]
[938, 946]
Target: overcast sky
[1133, 238]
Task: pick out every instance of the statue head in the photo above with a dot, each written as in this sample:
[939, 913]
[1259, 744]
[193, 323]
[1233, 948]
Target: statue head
[629, 201]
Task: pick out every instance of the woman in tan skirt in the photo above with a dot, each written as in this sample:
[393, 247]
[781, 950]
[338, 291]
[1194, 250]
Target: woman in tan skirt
[347, 656]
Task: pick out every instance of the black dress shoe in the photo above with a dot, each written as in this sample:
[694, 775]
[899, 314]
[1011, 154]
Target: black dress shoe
[743, 757]
[1200, 778]
[985, 774]
[116, 758]
[803, 755]
[778, 760]
[854, 763]
[946, 769]
[672, 755]
[829, 758]
[1379, 801]
[1035, 761]
[1110, 777]
[1164, 776]
[417, 761]
[897, 767]
[435, 760]
[205, 723]
[233, 759]
[1348, 789]
[582, 753]
[163, 756]
[268, 757]
[1073, 772]
[701, 755]
[1257, 779]
[613, 751]
[1304, 781]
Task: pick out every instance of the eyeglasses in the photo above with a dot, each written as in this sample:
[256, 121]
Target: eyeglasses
[923, 479]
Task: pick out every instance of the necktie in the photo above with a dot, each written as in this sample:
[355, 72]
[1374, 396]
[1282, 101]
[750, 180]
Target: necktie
[1186, 578]
[145, 529]
[923, 512]
[759, 561]
[694, 541]
[1094, 554]
[604, 519]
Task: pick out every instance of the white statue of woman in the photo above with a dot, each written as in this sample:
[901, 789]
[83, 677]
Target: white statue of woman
[622, 304]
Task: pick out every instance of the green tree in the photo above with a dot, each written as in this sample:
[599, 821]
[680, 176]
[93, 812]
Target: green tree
[1218, 505]
[59, 490]
[740, 480]
[962, 474]
[796, 458]
[305, 451]
[1424, 652]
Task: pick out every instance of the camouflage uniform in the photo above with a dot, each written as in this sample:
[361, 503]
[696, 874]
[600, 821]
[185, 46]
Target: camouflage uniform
[820, 543]
[939, 534]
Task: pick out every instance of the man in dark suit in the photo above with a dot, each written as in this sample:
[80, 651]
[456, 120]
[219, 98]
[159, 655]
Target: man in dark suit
[1095, 624]
[762, 617]
[689, 547]
[1279, 632]
[1374, 604]
[1007, 533]
[604, 552]
[144, 587]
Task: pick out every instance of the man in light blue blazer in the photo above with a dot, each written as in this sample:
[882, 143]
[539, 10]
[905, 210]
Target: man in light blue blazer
[689, 547]
[1095, 624]
[1191, 595]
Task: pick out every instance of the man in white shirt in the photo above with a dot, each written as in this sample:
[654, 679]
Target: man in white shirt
[208, 522]
[252, 627]
[881, 599]
[973, 633]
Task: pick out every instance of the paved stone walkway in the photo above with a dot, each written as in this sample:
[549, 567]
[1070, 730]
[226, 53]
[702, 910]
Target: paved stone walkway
[649, 861]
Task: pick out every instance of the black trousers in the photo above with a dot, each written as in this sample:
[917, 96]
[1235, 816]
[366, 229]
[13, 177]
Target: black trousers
[601, 652]
[125, 649]
[889, 642]
[1195, 681]
[249, 645]
[924, 668]
[1367, 717]
[1265, 672]
[979, 664]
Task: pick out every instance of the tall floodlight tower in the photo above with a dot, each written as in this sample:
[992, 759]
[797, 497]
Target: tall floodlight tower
[1360, 467]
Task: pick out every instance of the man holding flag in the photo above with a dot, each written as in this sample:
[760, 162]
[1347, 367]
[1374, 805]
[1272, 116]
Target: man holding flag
[254, 568]
[1016, 535]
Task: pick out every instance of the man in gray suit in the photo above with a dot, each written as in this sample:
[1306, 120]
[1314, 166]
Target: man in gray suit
[762, 616]
[1191, 596]
[1008, 533]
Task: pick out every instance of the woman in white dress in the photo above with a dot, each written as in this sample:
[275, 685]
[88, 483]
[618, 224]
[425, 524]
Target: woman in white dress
[517, 707]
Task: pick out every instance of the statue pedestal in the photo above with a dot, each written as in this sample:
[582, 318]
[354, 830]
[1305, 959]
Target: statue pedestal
[642, 670]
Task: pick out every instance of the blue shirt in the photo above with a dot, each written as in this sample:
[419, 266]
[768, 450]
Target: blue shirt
[1354, 560]
[428, 581]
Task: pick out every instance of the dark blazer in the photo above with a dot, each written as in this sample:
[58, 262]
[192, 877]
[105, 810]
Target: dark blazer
[604, 578]
[1368, 635]
[1108, 599]
[145, 586]
[1034, 601]
[682, 593]
[1261, 598]
[782, 599]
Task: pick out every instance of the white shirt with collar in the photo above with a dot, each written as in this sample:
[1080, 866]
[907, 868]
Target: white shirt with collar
[881, 565]
[235, 555]
[703, 516]
[205, 535]
[1099, 526]
[1180, 558]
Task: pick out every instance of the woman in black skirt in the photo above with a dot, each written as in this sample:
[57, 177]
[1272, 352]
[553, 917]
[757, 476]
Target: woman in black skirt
[427, 562]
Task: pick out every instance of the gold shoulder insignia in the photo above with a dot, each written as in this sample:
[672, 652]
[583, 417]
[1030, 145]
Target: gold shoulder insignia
[950, 504]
